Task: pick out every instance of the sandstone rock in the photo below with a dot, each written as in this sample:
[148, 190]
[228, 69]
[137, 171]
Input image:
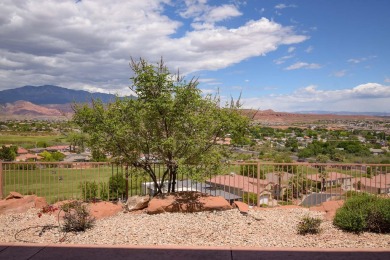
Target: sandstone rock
[186, 202]
[14, 195]
[137, 203]
[242, 207]
[21, 205]
[40, 202]
[104, 209]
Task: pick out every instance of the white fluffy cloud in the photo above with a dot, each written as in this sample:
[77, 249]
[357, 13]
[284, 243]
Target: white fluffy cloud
[369, 97]
[87, 44]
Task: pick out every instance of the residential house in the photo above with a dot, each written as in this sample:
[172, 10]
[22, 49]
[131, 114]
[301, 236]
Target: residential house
[379, 184]
[23, 155]
[240, 185]
[333, 179]
[376, 151]
[58, 148]
[28, 157]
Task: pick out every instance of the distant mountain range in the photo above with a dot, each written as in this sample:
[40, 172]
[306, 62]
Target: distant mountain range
[34, 102]
[48, 94]
[346, 113]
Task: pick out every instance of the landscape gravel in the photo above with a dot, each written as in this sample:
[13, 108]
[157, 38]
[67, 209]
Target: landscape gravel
[259, 228]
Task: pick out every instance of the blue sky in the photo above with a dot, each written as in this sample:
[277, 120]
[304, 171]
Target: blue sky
[287, 55]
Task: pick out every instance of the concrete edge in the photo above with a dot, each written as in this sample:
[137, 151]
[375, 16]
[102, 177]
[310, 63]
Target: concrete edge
[214, 248]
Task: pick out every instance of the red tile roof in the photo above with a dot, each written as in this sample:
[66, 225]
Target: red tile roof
[244, 183]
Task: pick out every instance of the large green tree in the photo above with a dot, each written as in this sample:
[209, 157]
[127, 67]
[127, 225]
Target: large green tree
[8, 153]
[169, 121]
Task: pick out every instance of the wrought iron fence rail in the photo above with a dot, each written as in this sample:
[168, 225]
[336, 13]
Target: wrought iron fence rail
[256, 183]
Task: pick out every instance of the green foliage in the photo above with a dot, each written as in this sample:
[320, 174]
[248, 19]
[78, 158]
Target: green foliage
[299, 184]
[77, 217]
[8, 153]
[117, 186]
[98, 156]
[103, 189]
[78, 140]
[89, 190]
[284, 158]
[309, 225]
[52, 157]
[170, 121]
[250, 198]
[251, 170]
[364, 213]
[26, 166]
[42, 144]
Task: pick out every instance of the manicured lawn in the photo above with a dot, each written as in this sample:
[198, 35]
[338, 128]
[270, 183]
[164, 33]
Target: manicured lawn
[31, 140]
[59, 183]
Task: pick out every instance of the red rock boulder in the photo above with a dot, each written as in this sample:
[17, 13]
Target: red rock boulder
[21, 204]
[186, 202]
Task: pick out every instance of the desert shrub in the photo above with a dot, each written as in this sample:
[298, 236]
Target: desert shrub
[250, 198]
[309, 225]
[77, 217]
[89, 190]
[103, 189]
[117, 186]
[364, 213]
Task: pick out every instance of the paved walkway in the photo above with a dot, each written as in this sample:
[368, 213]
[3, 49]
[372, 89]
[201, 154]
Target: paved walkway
[60, 252]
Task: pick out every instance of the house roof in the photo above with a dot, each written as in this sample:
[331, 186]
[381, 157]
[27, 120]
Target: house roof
[331, 176]
[21, 150]
[378, 181]
[57, 147]
[273, 177]
[244, 183]
[25, 157]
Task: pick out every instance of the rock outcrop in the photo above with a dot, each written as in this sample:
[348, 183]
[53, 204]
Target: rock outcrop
[186, 202]
[17, 203]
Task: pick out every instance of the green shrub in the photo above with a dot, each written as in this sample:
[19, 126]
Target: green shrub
[364, 213]
[309, 225]
[250, 198]
[117, 186]
[77, 217]
[89, 190]
[103, 189]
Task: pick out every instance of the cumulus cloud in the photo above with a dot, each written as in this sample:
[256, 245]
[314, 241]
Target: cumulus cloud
[88, 44]
[369, 97]
[303, 65]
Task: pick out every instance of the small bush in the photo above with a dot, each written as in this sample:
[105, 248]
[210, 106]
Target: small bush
[364, 213]
[103, 188]
[117, 185]
[309, 225]
[89, 190]
[77, 217]
[250, 198]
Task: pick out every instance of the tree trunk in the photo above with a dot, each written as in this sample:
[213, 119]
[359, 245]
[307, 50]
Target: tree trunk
[127, 181]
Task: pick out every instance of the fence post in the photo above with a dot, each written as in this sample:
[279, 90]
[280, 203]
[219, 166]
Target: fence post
[258, 184]
[1, 181]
